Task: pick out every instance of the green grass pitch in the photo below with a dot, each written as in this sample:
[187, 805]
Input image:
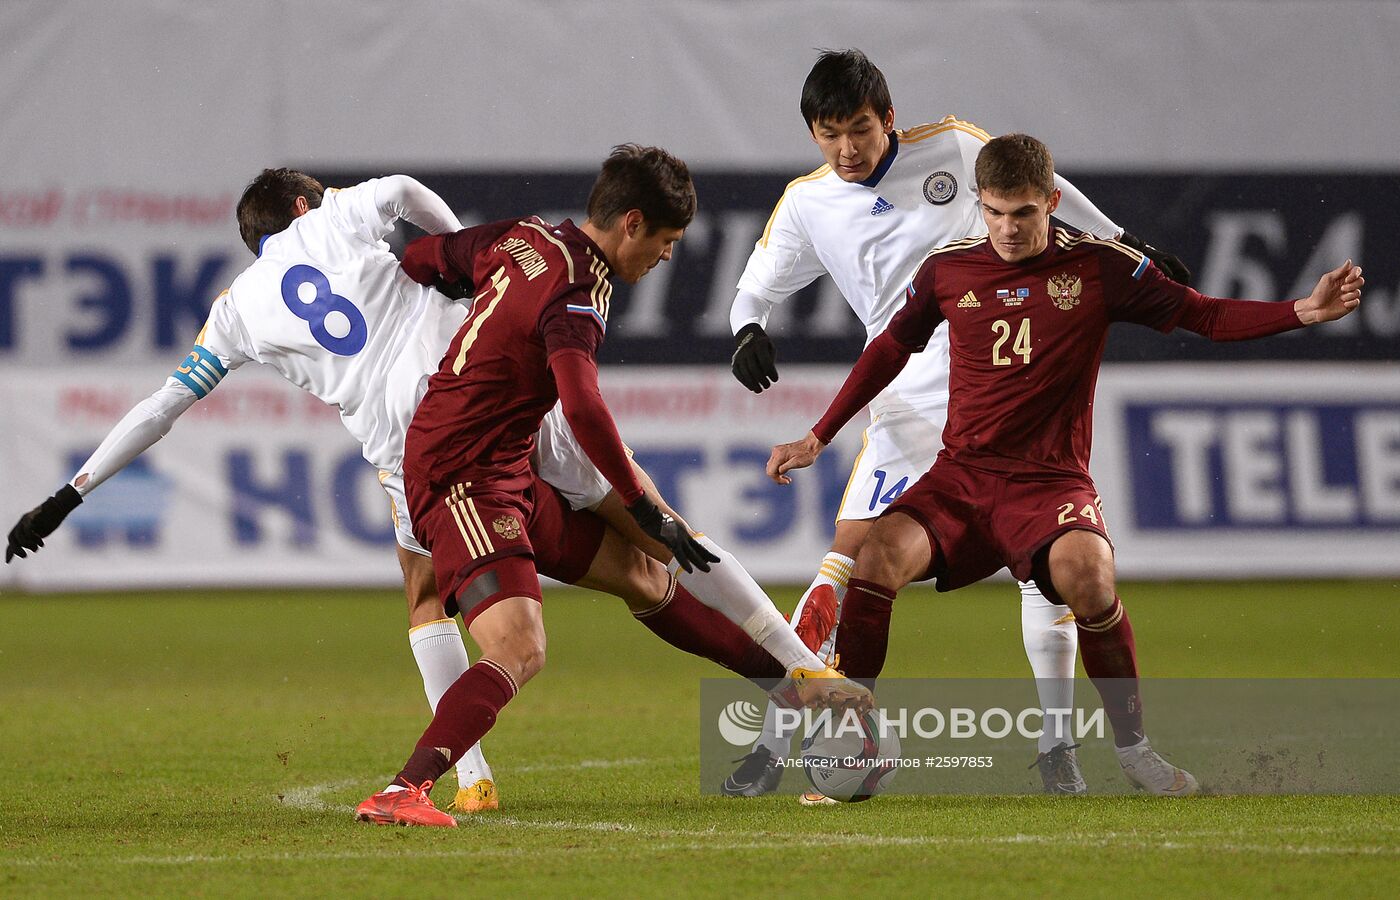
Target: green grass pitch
[214, 744]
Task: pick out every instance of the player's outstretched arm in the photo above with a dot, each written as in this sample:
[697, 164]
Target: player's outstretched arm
[794, 455]
[1337, 293]
[40, 522]
[576, 375]
[147, 422]
[405, 197]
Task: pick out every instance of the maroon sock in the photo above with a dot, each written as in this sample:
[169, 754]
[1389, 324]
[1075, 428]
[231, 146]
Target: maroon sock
[1110, 660]
[682, 621]
[863, 634]
[464, 714]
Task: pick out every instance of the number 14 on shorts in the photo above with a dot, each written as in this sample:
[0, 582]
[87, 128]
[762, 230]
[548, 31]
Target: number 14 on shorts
[881, 496]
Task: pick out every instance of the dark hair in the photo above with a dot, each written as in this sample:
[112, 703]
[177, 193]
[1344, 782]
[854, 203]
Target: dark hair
[841, 84]
[644, 178]
[1014, 162]
[266, 205]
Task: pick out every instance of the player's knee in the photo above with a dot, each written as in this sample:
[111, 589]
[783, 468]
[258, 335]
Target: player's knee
[532, 659]
[644, 581]
[879, 562]
[523, 655]
[1086, 584]
[886, 558]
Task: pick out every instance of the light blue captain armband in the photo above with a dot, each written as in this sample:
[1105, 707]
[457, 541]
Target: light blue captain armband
[1142, 267]
[201, 372]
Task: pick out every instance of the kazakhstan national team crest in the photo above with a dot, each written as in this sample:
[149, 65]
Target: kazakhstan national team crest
[507, 527]
[940, 187]
[1065, 290]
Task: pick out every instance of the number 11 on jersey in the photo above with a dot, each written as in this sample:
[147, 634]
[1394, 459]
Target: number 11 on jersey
[499, 282]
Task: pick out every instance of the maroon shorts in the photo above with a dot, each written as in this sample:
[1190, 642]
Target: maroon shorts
[487, 542]
[981, 522]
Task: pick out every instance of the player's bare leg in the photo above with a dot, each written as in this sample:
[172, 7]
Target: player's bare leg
[728, 589]
[1080, 566]
[511, 635]
[442, 658]
[672, 612]
[895, 552]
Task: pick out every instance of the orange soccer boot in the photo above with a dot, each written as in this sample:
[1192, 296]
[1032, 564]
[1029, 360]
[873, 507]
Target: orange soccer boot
[411, 806]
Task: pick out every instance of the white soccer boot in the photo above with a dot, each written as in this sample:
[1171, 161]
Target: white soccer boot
[1146, 770]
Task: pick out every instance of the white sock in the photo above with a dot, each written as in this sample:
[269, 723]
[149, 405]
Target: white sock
[1051, 642]
[442, 658]
[769, 739]
[730, 589]
[836, 571]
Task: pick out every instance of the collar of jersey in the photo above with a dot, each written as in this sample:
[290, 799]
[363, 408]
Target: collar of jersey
[885, 163]
[261, 241]
[583, 236]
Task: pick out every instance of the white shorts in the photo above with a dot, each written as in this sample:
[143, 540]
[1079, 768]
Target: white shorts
[560, 461]
[900, 446]
[398, 508]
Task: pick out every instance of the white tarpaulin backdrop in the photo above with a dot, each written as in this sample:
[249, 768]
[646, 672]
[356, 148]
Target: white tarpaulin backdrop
[129, 129]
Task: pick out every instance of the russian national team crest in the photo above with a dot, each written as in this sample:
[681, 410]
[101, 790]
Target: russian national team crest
[507, 527]
[940, 187]
[1065, 290]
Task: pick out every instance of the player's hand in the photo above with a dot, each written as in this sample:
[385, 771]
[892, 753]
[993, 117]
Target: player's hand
[795, 455]
[453, 290]
[1170, 264]
[425, 261]
[40, 522]
[690, 554]
[755, 361]
[1337, 293]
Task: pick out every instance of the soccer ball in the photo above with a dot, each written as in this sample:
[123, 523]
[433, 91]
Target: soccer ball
[850, 757]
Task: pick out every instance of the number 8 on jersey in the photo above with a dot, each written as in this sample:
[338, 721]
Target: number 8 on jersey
[320, 307]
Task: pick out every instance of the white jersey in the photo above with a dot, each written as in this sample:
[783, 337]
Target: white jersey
[327, 306]
[871, 236]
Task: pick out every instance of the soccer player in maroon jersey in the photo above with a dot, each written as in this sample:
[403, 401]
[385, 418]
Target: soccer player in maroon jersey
[538, 316]
[1028, 309]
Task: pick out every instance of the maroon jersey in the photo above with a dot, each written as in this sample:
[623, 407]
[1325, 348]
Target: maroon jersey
[1026, 340]
[540, 289]
[1025, 343]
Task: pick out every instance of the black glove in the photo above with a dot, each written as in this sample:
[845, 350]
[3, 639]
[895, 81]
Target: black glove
[453, 290]
[689, 553]
[1170, 264]
[755, 361]
[41, 521]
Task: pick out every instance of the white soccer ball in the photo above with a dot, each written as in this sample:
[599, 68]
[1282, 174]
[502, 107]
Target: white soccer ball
[849, 756]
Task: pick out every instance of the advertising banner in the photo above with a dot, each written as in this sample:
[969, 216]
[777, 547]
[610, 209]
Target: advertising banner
[1244, 470]
[119, 275]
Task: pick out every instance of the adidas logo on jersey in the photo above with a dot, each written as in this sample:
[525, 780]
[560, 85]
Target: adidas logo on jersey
[969, 301]
[881, 207]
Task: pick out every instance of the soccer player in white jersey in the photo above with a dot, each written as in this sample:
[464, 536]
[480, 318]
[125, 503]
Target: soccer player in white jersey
[371, 357]
[367, 356]
[867, 218]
